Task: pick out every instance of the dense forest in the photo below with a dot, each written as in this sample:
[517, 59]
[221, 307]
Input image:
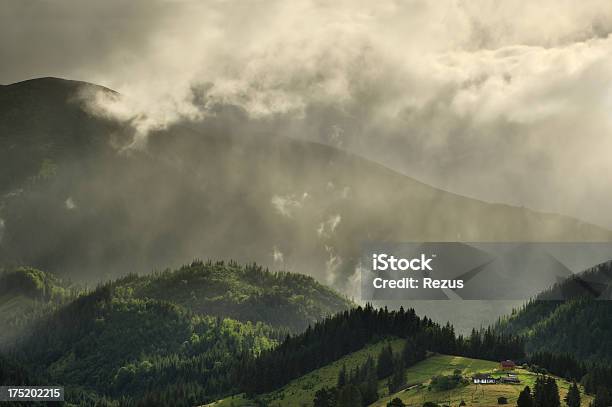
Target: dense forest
[118, 346]
[123, 346]
[210, 329]
[27, 294]
[349, 331]
[580, 325]
[167, 336]
[245, 293]
[592, 375]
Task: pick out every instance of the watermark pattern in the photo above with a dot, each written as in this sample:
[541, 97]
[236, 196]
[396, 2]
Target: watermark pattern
[484, 271]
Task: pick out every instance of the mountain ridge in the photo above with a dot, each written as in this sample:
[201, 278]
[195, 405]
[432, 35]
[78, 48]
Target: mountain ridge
[226, 187]
[73, 85]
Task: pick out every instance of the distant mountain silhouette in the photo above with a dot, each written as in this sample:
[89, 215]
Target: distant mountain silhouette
[73, 201]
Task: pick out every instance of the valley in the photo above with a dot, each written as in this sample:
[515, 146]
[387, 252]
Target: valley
[216, 264]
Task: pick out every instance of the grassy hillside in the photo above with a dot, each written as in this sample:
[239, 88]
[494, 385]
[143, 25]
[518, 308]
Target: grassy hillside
[472, 394]
[303, 389]
[580, 325]
[300, 392]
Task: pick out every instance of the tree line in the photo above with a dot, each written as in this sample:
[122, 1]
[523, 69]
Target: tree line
[349, 331]
[592, 376]
[359, 387]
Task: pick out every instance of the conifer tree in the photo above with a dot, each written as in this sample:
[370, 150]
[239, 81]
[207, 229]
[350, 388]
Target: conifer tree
[325, 397]
[349, 396]
[573, 396]
[552, 393]
[341, 377]
[398, 378]
[525, 399]
[603, 398]
[539, 392]
[396, 402]
[384, 366]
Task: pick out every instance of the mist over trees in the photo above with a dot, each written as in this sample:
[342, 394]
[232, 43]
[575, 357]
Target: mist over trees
[75, 202]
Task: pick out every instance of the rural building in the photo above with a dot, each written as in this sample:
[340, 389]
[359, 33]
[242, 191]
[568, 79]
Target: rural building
[507, 364]
[513, 379]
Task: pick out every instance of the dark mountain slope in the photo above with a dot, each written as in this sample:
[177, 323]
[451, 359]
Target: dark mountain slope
[25, 295]
[76, 205]
[86, 208]
[42, 122]
[580, 325]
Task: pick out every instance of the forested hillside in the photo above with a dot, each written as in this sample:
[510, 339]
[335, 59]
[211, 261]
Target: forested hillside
[148, 341]
[581, 325]
[244, 293]
[113, 344]
[173, 335]
[351, 330]
[25, 295]
[35, 284]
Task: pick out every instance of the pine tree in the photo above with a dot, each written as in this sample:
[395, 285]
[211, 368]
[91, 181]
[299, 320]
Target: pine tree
[369, 388]
[349, 396]
[573, 396]
[603, 398]
[398, 378]
[325, 397]
[539, 392]
[546, 392]
[342, 377]
[409, 352]
[525, 399]
[384, 366]
[552, 393]
[396, 402]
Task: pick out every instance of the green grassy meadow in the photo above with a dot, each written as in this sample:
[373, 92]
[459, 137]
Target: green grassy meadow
[472, 394]
[300, 392]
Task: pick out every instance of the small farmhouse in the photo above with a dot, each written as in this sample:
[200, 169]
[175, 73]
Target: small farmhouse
[511, 379]
[507, 364]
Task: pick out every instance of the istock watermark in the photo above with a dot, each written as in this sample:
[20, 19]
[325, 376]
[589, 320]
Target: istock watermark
[485, 271]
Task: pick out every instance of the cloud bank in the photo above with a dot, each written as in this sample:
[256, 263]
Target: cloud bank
[504, 101]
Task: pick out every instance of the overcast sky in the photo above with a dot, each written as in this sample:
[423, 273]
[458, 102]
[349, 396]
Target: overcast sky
[505, 101]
